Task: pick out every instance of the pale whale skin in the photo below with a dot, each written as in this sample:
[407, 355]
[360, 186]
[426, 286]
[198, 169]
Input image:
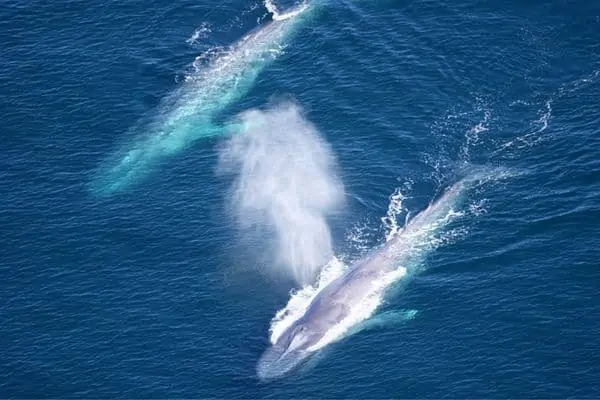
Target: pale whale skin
[297, 343]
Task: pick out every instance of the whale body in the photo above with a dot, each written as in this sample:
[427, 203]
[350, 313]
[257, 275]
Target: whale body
[337, 300]
[189, 113]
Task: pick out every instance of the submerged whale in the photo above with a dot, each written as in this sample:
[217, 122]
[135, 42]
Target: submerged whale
[336, 302]
[189, 113]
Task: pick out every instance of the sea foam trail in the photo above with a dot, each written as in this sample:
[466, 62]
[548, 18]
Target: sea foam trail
[187, 114]
[286, 181]
[424, 233]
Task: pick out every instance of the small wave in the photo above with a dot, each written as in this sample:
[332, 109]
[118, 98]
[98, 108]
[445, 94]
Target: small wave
[474, 121]
[519, 102]
[540, 125]
[545, 117]
[199, 33]
[531, 138]
[473, 134]
[579, 84]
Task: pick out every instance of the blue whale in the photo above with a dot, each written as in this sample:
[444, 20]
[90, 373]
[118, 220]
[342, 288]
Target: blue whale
[189, 113]
[337, 300]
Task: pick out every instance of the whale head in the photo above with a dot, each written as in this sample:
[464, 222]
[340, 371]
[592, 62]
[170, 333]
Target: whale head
[290, 351]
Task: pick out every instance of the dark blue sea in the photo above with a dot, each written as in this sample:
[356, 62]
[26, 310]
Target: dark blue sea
[177, 177]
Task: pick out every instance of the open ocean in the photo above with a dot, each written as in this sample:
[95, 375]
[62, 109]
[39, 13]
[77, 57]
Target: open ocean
[176, 178]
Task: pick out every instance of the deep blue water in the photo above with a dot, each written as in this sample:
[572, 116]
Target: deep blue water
[150, 292]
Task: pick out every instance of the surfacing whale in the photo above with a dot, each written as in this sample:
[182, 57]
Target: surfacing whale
[190, 112]
[336, 302]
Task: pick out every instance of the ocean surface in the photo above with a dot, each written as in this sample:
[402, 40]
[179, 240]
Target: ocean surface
[178, 178]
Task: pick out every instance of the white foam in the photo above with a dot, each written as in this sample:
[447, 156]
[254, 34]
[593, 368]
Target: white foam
[395, 209]
[531, 138]
[473, 135]
[545, 114]
[359, 237]
[277, 16]
[478, 208]
[541, 124]
[545, 117]
[271, 7]
[199, 33]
